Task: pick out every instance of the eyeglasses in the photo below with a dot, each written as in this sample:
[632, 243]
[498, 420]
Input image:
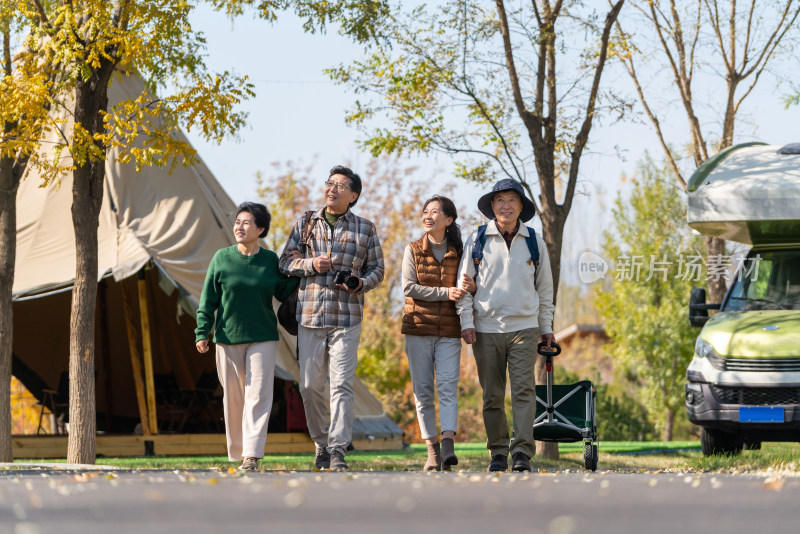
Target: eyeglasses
[336, 185]
[431, 213]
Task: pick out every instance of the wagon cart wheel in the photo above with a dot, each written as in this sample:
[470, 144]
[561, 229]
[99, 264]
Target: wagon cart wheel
[589, 455]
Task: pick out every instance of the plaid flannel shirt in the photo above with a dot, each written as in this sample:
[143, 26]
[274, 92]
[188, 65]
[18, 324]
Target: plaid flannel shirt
[353, 244]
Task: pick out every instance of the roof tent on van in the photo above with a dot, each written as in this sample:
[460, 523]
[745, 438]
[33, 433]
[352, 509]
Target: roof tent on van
[749, 193]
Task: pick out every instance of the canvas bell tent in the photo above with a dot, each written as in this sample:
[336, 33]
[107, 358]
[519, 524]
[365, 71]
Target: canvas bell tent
[157, 234]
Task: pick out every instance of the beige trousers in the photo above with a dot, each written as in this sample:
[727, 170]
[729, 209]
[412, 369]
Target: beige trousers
[494, 353]
[328, 355]
[247, 374]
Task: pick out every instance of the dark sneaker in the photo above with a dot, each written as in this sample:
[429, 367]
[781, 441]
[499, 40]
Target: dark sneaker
[337, 461]
[521, 462]
[249, 464]
[322, 460]
[499, 463]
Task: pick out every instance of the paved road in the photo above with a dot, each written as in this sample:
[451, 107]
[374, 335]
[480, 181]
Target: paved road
[33, 501]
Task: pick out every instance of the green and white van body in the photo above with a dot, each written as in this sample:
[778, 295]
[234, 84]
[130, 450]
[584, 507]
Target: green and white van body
[743, 384]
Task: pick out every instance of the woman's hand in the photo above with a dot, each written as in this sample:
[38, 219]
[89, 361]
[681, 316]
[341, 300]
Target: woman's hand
[468, 283]
[455, 293]
[202, 346]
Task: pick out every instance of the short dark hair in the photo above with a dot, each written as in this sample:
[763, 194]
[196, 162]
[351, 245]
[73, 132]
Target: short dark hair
[260, 213]
[355, 180]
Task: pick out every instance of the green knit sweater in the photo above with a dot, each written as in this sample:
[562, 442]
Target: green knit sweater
[240, 289]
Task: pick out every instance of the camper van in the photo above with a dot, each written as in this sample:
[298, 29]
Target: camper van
[743, 384]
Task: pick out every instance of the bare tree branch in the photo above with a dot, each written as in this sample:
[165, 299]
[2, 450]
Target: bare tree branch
[684, 88]
[583, 135]
[496, 130]
[630, 67]
[713, 16]
[511, 66]
[42, 14]
[774, 40]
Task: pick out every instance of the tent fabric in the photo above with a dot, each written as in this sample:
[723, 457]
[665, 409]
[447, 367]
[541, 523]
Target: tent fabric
[177, 221]
[751, 195]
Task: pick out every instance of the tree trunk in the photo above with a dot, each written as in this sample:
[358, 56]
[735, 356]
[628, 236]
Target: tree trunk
[715, 246]
[87, 196]
[669, 423]
[9, 183]
[553, 222]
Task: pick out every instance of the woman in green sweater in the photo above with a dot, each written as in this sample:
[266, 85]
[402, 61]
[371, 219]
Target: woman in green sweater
[239, 286]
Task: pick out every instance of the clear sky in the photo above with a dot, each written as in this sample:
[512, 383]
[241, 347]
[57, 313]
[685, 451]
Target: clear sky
[298, 115]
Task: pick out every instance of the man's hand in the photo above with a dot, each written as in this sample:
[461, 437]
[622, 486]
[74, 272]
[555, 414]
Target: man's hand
[455, 293]
[202, 346]
[468, 283]
[352, 291]
[469, 336]
[322, 264]
[549, 339]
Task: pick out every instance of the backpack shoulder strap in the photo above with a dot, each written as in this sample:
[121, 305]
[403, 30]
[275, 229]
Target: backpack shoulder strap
[306, 235]
[477, 250]
[533, 248]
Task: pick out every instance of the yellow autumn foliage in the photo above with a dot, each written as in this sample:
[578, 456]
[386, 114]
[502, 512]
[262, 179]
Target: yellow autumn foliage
[25, 411]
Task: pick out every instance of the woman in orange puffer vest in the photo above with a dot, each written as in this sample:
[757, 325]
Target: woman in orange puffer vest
[432, 328]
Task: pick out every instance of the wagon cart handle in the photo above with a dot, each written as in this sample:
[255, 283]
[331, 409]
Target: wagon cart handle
[556, 349]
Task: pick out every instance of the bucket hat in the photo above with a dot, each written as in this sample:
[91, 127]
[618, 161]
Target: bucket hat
[507, 184]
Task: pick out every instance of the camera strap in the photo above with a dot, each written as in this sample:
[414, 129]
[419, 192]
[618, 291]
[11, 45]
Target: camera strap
[306, 234]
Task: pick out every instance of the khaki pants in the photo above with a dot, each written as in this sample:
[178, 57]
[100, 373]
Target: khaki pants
[328, 354]
[494, 353]
[247, 374]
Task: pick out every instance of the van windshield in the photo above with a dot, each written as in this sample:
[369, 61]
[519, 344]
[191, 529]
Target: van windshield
[771, 283]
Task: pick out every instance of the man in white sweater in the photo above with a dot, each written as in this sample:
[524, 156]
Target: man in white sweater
[505, 318]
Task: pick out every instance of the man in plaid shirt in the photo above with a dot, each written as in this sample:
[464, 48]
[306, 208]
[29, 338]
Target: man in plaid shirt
[329, 314]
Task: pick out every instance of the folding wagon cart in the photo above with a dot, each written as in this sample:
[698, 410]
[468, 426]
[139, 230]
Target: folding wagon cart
[566, 413]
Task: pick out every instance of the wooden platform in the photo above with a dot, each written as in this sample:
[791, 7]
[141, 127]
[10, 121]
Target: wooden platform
[114, 446]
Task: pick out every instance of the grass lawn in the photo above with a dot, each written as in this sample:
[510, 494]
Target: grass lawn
[614, 456]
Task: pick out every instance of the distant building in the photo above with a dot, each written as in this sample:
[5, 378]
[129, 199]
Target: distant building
[584, 351]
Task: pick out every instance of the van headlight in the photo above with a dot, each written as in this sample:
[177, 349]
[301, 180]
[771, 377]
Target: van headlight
[702, 348]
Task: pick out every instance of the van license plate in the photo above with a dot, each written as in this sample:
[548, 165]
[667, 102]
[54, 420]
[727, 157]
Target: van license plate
[761, 414]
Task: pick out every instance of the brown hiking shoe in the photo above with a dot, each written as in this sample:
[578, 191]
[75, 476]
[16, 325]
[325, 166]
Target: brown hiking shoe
[249, 464]
[434, 462]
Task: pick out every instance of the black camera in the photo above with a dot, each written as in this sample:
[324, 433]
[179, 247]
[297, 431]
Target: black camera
[346, 277]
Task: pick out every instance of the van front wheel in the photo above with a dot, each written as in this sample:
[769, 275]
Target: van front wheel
[718, 442]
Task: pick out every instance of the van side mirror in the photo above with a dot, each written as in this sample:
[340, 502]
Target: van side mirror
[698, 309]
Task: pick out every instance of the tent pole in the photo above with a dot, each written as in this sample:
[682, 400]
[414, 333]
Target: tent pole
[136, 364]
[147, 350]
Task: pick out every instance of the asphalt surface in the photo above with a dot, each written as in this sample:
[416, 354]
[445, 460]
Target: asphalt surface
[34, 501]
